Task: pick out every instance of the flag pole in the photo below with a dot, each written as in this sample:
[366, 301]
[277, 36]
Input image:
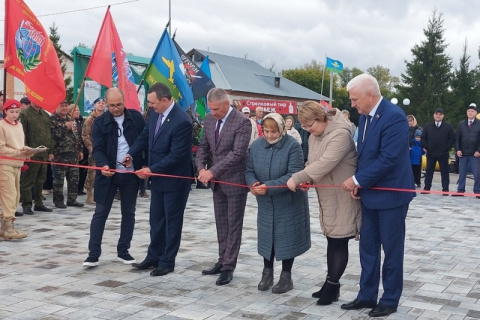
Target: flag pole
[323, 76]
[4, 98]
[80, 91]
[331, 88]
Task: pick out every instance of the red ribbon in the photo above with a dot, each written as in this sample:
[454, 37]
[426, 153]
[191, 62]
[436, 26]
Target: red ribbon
[302, 185]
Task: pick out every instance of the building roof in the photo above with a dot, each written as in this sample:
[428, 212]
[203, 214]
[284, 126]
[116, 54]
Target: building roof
[239, 74]
[131, 58]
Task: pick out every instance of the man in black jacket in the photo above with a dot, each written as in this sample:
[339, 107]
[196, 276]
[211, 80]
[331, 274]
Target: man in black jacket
[112, 135]
[467, 146]
[437, 140]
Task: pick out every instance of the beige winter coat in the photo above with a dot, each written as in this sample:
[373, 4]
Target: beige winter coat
[332, 159]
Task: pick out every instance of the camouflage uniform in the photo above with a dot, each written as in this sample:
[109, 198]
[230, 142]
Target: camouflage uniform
[87, 141]
[36, 125]
[66, 148]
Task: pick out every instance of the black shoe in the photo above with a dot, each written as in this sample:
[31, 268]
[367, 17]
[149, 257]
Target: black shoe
[28, 210]
[144, 265]
[60, 205]
[382, 310]
[160, 271]
[74, 204]
[90, 262]
[18, 214]
[126, 258]
[225, 277]
[357, 304]
[213, 270]
[81, 193]
[41, 207]
[458, 194]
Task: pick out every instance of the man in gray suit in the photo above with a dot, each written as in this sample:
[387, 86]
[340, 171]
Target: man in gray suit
[226, 135]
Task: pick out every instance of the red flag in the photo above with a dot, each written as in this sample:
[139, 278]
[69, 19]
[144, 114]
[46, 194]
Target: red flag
[31, 57]
[109, 62]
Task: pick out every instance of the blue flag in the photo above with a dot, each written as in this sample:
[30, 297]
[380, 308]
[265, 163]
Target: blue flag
[334, 65]
[166, 67]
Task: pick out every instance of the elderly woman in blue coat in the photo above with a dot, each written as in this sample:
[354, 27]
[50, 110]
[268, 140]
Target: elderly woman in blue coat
[283, 221]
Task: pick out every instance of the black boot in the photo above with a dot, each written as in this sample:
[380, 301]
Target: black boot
[330, 293]
[284, 284]
[267, 279]
[318, 294]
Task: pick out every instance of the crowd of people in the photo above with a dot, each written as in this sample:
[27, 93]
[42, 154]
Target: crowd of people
[274, 158]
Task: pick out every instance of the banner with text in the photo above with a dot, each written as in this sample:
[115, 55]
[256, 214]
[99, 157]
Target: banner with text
[277, 106]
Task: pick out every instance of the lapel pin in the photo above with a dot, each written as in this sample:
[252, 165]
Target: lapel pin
[377, 116]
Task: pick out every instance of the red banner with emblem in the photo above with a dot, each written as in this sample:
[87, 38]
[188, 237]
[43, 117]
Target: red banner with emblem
[277, 106]
[31, 57]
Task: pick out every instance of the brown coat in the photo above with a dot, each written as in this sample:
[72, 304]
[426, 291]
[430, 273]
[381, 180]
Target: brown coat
[332, 159]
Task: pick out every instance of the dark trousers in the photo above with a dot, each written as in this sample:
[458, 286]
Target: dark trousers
[417, 174]
[382, 229]
[444, 172]
[48, 184]
[59, 175]
[166, 222]
[31, 184]
[466, 163]
[128, 185]
[229, 213]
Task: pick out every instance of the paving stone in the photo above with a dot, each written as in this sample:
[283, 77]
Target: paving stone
[41, 277]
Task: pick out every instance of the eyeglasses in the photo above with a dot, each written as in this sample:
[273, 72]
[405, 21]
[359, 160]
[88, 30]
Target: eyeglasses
[308, 127]
[117, 105]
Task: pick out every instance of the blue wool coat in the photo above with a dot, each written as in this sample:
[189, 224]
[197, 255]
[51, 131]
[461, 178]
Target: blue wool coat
[283, 217]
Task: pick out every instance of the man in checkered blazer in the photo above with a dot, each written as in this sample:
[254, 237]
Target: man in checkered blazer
[226, 135]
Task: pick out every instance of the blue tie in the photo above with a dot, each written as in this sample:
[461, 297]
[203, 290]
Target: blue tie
[159, 123]
[217, 130]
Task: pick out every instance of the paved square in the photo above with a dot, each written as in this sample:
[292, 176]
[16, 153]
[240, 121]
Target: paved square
[41, 277]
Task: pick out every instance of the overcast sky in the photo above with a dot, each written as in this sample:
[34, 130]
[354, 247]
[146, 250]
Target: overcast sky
[286, 34]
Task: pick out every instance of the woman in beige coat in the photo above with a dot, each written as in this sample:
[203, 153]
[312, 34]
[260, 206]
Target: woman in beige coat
[332, 158]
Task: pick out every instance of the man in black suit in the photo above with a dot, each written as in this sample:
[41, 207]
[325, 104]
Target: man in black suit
[437, 140]
[168, 136]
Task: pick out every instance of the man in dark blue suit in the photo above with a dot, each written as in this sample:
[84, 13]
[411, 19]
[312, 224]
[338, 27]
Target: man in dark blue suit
[383, 162]
[168, 136]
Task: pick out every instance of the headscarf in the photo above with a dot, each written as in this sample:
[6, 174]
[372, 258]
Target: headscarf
[280, 123]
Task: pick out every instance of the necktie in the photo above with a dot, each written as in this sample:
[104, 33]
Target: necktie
[367, 122]
[159, 123]
[438, 125]
[217, 130]
[469, 124]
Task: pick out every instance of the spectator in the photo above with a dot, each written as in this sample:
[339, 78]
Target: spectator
[68, 149]
[254, 135]
[346, 115]
[82, 172]
[98, 109]
[467, 146]
[283, 220]
[36, 126]
[416, 152]
[259, 115]
[413, 127]
[291, 131]
[25, 103]
[437, 140]
[12, 145]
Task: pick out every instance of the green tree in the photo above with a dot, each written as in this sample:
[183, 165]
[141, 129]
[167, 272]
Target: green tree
[55, 38]
[464, 88]
[386, 81]
[348, 74]
[427, 77]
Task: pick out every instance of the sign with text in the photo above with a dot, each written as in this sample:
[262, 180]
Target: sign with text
[277, 106]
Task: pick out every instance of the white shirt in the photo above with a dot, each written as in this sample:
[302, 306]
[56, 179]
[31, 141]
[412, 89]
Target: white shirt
[123, 146]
